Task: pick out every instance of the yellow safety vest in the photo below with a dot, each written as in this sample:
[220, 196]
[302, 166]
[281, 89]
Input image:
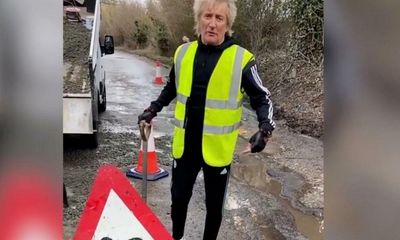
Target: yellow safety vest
[223, 108]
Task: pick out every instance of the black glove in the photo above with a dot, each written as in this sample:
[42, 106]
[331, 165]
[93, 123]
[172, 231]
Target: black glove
[147, 115]
[259, 140]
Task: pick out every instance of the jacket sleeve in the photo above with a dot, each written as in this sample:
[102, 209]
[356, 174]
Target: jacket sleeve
[259, 96]
[167, 94]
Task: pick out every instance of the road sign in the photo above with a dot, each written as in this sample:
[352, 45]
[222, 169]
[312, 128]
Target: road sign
[115, 211]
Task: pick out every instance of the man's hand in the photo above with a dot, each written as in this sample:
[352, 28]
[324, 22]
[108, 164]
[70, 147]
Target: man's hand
[147, 115]
[258, 141]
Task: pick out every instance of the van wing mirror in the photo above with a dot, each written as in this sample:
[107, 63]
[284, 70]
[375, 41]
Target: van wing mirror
[108, 44]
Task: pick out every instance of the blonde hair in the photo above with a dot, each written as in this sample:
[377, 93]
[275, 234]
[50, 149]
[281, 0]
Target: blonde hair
[199, 6]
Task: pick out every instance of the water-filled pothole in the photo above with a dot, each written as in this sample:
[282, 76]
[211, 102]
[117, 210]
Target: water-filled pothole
[253, 172]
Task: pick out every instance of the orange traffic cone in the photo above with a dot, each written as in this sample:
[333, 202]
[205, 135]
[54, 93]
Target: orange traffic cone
[158, 79]
[153, 171]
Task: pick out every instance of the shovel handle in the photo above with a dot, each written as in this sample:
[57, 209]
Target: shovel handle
[145, 129]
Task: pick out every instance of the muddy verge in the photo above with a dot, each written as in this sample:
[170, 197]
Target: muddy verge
[300, 101]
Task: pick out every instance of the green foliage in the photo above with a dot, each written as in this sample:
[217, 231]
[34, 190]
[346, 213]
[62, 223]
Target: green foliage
[140, 34]
[160, 31]
[163, 39]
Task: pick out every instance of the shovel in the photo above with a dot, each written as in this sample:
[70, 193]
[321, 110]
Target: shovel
[145, 129]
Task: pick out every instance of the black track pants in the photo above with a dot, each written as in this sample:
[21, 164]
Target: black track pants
[184, 173]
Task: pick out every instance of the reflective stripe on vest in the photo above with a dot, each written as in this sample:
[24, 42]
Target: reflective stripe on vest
[181, 53]
[223, 107]
[211, 129]
[231, 104]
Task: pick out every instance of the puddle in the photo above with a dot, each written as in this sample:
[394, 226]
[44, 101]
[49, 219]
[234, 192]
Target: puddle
[253, 172]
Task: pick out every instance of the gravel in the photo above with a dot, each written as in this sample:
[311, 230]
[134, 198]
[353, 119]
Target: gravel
[76, 52]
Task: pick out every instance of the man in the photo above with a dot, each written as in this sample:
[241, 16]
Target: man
[207, 79]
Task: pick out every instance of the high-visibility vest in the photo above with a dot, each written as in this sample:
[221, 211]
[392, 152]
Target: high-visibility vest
[223, 108]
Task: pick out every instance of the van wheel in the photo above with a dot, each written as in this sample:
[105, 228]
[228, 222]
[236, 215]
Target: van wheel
[103, 105]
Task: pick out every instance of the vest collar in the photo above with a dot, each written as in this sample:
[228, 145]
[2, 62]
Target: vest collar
[228, 41]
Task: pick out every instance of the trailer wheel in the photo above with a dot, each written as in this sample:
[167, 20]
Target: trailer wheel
[65, 197]
[93, 140]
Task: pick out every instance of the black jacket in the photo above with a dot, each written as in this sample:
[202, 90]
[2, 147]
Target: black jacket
[205, 61]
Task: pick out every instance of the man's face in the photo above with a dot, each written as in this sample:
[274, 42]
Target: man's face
[214, 24]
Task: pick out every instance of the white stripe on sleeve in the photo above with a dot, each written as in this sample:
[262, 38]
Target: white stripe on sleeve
[259, 84]
[258, 80]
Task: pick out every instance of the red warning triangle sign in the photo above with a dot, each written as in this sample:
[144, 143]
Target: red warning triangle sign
[114, 210]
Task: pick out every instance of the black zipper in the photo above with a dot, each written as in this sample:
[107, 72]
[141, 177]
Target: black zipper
[186, 112]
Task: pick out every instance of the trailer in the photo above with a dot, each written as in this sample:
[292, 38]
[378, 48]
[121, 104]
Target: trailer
[84, 88]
